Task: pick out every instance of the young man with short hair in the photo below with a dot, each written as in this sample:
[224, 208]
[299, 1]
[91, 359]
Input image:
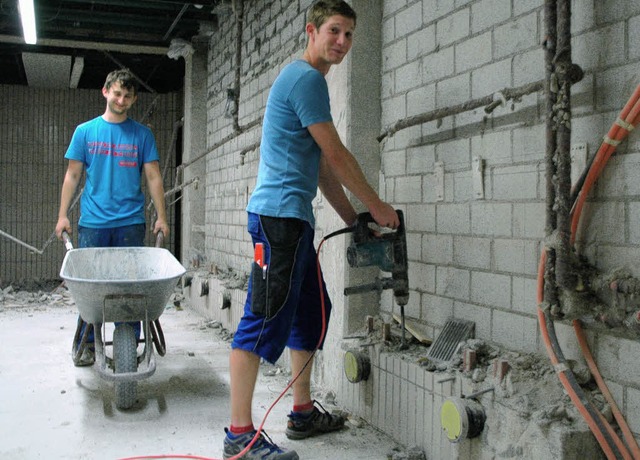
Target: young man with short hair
[114, 151]
[300, 152]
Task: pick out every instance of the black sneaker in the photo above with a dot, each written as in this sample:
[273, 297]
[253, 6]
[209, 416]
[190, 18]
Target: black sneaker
[262, 449]
[301, 426]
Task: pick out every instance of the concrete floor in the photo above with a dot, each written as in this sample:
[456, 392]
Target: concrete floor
[50, 409]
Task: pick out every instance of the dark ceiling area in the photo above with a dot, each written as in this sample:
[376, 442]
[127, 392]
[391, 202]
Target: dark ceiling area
[81, 41]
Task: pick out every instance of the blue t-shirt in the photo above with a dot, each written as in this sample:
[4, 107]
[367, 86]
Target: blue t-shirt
[289, 156]
[113, 155]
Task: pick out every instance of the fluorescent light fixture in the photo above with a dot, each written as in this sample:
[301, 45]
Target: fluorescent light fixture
[28, 17]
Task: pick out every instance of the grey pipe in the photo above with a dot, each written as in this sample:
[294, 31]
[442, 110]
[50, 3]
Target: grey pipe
[550, 24]
[565, 276]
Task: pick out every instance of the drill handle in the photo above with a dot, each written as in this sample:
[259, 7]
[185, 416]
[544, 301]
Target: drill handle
[364, 233]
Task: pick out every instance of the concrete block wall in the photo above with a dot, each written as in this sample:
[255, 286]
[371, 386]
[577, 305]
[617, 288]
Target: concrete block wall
[36, 126]
[472, 255]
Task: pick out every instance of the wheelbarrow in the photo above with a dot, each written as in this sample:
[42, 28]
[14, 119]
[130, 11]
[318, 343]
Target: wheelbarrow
[121, 285]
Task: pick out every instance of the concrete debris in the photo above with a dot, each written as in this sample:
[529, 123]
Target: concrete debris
[356, 422]
[273, 371]
[329, 398]
[10, 297]
[479, 375]
[232, 279]
[580, 371]
[552, 413]
[412, 453]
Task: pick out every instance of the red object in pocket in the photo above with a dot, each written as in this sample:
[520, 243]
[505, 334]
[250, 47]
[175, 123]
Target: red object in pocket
[258, 254]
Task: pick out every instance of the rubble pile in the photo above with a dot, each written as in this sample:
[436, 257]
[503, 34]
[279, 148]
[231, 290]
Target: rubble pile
[12, 298]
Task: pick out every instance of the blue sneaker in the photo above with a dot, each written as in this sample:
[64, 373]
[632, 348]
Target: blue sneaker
[301, 426]
[263, 449]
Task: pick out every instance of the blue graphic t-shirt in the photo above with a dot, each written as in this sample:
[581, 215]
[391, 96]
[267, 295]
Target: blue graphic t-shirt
[289, 156]
[113, 155]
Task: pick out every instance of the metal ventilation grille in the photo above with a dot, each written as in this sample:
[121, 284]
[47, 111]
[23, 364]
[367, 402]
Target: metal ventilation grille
[454, 332]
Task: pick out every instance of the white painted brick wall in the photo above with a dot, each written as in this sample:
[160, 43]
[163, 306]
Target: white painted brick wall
[517, 36]
[473, 53]
[472, 252]
[452, 28]
[487, 13]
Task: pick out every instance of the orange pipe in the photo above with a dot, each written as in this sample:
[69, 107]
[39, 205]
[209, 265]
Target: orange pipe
[570, 391]
[561, 374]
[622, 423]
[631, 115]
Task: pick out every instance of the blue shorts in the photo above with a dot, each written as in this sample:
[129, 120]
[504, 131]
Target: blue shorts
[283, 307]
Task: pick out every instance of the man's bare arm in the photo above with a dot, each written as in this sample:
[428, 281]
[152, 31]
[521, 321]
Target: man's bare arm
[69, 186]
[156, 190]
[347, 170]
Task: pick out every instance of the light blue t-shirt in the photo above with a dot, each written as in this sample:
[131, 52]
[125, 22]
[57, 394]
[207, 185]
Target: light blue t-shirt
[113, 155]
[289, 157]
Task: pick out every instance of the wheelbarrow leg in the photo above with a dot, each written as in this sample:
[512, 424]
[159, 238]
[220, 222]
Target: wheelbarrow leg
[83, 331]
[158, 337]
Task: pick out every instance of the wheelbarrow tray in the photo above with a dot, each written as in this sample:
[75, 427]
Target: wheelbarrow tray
[120, 284]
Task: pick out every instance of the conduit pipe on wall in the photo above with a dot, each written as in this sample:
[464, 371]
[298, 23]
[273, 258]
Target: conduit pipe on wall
[604, 434]
[629, 117]
[238, 8]
[558, 74]
[550, 22]
[223, 141]
[622, 423]
[565, 277]
[489, 102]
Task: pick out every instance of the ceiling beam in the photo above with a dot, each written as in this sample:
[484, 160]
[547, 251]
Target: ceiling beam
[101, 46]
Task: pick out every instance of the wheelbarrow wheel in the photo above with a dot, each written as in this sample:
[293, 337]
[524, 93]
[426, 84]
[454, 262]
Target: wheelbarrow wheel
[125, 360]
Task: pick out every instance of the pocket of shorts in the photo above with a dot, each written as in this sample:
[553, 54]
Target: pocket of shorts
[283, 235]
[258, 290]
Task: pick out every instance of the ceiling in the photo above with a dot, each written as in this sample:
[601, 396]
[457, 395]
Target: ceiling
[81, 41]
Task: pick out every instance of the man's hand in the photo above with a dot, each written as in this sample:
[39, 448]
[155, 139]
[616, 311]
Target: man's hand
[63, 225]
[385, 215]
[161, 226]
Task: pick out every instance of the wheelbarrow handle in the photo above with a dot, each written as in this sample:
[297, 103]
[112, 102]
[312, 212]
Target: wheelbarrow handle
[159, 239]
[67, 241]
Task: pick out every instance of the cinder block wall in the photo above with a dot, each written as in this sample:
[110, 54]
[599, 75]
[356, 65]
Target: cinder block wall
[472, 255]
[36, 125]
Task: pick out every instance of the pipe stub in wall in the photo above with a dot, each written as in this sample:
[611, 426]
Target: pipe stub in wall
[357, 366]
[462, 418]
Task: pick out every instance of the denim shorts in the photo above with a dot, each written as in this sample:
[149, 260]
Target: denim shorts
[127, 236]
[283, 306]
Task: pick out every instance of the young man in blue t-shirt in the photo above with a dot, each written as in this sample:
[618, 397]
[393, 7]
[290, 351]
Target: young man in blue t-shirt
[114, 151]
[300, 152]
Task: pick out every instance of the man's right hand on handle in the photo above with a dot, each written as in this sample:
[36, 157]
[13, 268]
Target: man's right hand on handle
[385, 215]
